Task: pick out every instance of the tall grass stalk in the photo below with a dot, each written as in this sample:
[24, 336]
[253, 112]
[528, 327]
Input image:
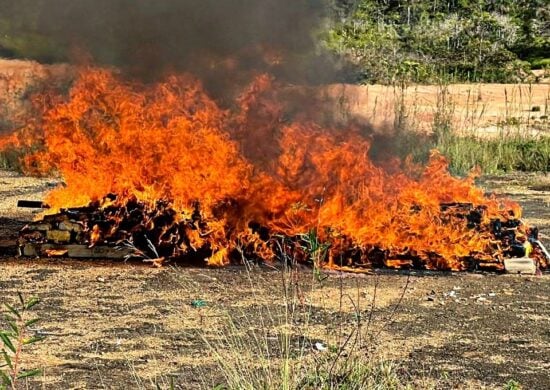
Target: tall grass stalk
[516, 147]
[279, 344]
[516, 142]
[493, 156]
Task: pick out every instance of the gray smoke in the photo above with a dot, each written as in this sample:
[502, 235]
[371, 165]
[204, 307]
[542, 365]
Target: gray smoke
[215, 39]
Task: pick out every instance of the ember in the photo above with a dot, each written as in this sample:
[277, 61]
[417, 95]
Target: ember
[164, 173]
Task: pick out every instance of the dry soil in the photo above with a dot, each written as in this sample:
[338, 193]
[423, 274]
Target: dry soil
[127, 325]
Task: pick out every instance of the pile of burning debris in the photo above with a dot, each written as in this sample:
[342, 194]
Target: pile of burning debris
[260, 181]
[158, 233]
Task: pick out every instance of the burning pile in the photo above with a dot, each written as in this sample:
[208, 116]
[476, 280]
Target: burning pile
[163, 170]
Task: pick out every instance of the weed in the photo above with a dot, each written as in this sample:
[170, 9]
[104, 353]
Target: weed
[315, 250]
[519, 144]
[277, 344]
[504, 154]
[11, 159]
[14, 339]
[512, 385]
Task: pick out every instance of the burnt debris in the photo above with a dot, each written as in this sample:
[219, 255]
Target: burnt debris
[157, 232]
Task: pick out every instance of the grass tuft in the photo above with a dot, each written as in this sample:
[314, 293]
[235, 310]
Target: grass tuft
[285, 344]
[493, 156]
[518, 144]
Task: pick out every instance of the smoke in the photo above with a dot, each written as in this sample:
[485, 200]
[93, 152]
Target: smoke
[220, 41]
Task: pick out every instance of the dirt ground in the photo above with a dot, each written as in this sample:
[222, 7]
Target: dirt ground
[482, 109]
[127, 325]
[19, 79]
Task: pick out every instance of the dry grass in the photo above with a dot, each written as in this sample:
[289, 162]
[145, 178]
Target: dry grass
[278, 341]
[110, 326]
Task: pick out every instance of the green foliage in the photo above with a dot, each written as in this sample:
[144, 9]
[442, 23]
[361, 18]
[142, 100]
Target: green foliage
[511, 150]
[503, 154]
[20, 36]
[462, 40]
[13, 339]
[507, 152]
[519, 145]
[512, 385]
[472, 40]
[314, 248]
[540, 63]
[10, 159]
[358, 373]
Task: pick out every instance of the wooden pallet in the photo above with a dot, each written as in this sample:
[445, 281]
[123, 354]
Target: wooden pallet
[74, 251]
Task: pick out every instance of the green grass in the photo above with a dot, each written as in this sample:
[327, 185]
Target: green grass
[501, 155]
[519, 145]
[515, 148]
[540, 63]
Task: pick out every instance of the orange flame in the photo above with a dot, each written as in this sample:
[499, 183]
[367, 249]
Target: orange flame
[248, 165]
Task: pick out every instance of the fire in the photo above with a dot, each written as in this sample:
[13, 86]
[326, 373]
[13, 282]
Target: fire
[164, 141]
[261, 185]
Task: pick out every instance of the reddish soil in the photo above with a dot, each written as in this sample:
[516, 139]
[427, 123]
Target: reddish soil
[482, 109]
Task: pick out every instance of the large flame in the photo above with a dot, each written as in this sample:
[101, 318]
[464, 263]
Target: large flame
[248, 167]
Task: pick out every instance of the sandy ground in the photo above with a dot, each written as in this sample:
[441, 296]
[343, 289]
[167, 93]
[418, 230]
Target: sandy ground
[483, 109]
[19, 79]
[114, 326]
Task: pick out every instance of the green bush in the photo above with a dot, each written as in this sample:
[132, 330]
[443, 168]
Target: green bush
[14, 339]
[540, 63]
[467, 41]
